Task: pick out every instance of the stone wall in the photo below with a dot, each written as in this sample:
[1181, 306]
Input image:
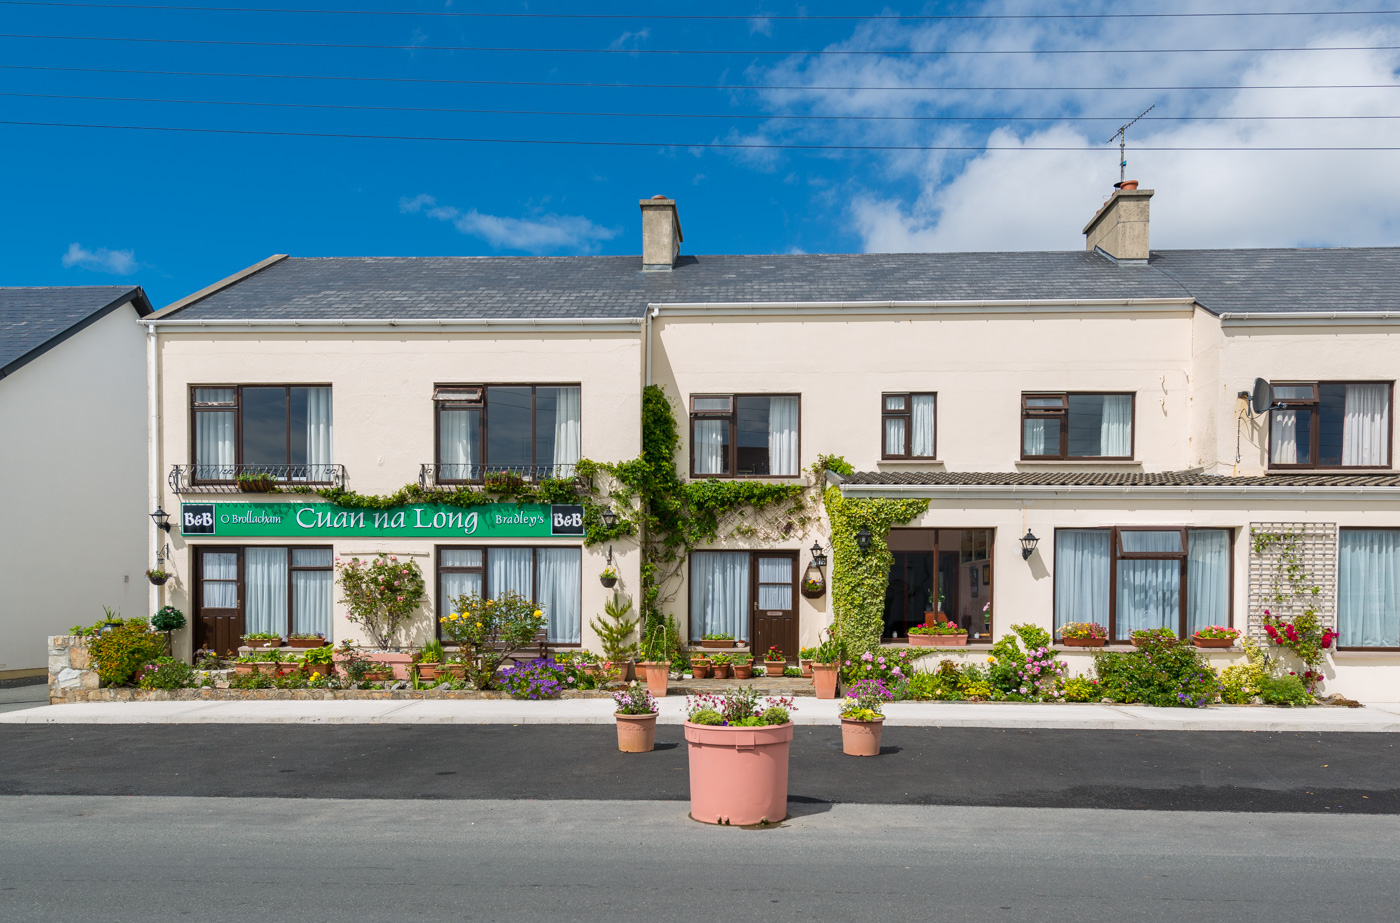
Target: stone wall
[69, 669]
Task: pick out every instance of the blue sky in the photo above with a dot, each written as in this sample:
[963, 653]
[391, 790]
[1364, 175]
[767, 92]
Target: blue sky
[175, 211]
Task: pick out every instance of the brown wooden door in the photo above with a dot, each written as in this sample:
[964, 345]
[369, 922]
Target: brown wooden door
[774, 595]
[219, 610]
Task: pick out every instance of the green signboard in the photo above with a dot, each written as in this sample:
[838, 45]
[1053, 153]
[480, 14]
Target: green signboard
[421, 520]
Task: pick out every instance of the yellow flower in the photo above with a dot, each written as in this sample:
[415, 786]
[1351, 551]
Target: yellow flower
[478, 624]
[488, 602]
[991, 660]
[538, 613]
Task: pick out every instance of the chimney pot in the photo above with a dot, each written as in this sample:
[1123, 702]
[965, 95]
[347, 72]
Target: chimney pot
[661, 234]
[1120, 227]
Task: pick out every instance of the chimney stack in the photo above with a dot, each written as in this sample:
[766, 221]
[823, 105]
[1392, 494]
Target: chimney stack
[1119, 228]
[661, 234]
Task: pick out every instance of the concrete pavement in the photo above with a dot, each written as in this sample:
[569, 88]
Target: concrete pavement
[1375, 718]
[18, 698]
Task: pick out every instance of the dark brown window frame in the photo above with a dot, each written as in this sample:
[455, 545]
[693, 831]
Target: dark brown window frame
[1315, 428]
[1116, 554]
[732, 415]
[439, 570]
[197, 556]
[237, 409]
[1030, 413]
[481, 405]
[1340, 530]
[908, 416]
[692, 624]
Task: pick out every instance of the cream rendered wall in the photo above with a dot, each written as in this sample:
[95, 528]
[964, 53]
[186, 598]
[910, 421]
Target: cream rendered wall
[1296, 353]
[382, 389]
[72, 485]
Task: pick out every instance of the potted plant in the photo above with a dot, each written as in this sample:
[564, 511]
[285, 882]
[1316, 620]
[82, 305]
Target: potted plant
[288, 664]
[306, 640]
[862, 717]
[826, 665]
[719, 666]
[608, 577]
[813, 587]
[804, 660]
[717, 639]
[1144, 635]
[774, 662]
[265, 661]
[428, 660]
[700, 667]
[738, 749]
[934, 612]
[255, 482]
[615, 629]
[655, 663]
[262, 639]
[743, 665]
[938, 634]
[157, 576]
[245, 665]
[1215, 636]
[319, 660]
[1084, 634]
[636, 719]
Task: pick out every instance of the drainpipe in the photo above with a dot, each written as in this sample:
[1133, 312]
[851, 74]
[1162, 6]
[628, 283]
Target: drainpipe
[652, 312]
[153, 444]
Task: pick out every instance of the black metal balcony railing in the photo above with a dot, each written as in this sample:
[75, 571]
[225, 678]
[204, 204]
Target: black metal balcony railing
[232, 479]
[430, 476]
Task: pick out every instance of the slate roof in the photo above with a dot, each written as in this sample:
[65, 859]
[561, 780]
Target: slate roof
[34, 320]
[1113, 479]
[572, 287]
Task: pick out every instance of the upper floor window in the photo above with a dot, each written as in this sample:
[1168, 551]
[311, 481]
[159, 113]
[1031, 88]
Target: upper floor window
[531, 430]
[1075, 425]
[908, 425]
[281, 430]
[744, 435]
[1330, 425]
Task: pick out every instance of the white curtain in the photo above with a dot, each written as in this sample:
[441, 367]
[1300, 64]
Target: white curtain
[719, 593]
[265, 589]
[510, 570]
[311, 591]
[220, 566]
[567, 429]
[1207, 578]
[1149, 592]
[709, 446]
[1366, 426]
[782, 436]
[1081, 576]
[1116, 425]
[1283, 438]
[561, 583]
[894, 435]
[921, 443]
[457, 438]
[213, 437]
[319, 450]
[775, 583]
[454, 584]
[1369, 588]
[1041, 436]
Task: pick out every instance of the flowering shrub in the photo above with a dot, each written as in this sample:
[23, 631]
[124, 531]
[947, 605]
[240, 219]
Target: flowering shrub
[774, 655]
[937, 628]
[381, 595]
[1084, 631]
[119, 650]
[166, 673]
[1239, 682]
[885, 664]
[490, 630]
[1034, 674]
[1082, 689]
[1217, 632]
[541, 678]
[738, 708]
[1305, 637]
[1164, 671]
[635, 700]
[865, 700]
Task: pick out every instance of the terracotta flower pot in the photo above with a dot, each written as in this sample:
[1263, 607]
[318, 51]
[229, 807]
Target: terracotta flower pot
[306, 642]
[700, 670]
[774, 667]
[1128, 185]
[262, 642]
[456, 670]
[658, 675]
[738, 775]
[428, 672]
[378, 676]
[743, 671]
[861, 738]
[824, 675]
[245, 669]
[719, 670]
[1213, 642]
[266, 666]
[717, 642]
[636, 733]
[1083, 642]
[938, 640]
[806, 667]
[325, 669]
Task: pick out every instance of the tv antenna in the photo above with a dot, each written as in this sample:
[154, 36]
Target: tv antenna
[1120, 134]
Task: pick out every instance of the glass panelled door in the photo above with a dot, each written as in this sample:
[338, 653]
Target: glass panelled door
[219, 625]
[774, 604]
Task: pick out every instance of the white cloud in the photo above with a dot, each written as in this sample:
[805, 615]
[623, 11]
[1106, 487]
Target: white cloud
[630, 40]
[116, 262]
[546, 233]
[761, 25]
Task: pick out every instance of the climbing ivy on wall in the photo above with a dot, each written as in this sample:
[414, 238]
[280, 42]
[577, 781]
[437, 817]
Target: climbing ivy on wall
[859, 580]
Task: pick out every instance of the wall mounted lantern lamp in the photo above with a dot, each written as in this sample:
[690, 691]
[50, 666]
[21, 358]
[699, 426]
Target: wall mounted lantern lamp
[1028, 543]
[863, 538]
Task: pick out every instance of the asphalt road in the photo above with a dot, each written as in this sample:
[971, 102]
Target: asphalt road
[311, 860]
[1149, 770]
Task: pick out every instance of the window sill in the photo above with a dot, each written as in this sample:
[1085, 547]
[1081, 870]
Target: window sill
[1344, 656]
[914, 462]
[1290, 472]
[1078, 463]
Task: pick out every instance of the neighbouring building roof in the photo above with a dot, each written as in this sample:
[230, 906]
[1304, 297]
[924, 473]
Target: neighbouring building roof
[34, 320]
[579, 287]
[1110, 479]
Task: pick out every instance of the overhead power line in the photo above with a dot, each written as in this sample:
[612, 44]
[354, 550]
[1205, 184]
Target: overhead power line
[890, 52]
[452, 14]
[723, 145]
[725, 116]
[709, 86]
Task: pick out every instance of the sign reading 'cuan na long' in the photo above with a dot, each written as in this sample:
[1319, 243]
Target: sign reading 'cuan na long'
[424, 520]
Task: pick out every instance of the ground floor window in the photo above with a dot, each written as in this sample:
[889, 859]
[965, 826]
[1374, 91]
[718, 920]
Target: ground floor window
[748, 595]
[1368, 588]
[259, 588]
[551, 576]
[1136, 578]
[934, 571]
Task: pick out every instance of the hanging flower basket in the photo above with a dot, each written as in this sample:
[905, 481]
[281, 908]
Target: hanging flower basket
[157, 577]
[813, 589]
[255, 483]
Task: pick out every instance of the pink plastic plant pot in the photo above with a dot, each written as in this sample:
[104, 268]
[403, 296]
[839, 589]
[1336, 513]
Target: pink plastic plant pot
[658, 675]
[861, 738]
[738, 775]
[636, 733]
[824, 678]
